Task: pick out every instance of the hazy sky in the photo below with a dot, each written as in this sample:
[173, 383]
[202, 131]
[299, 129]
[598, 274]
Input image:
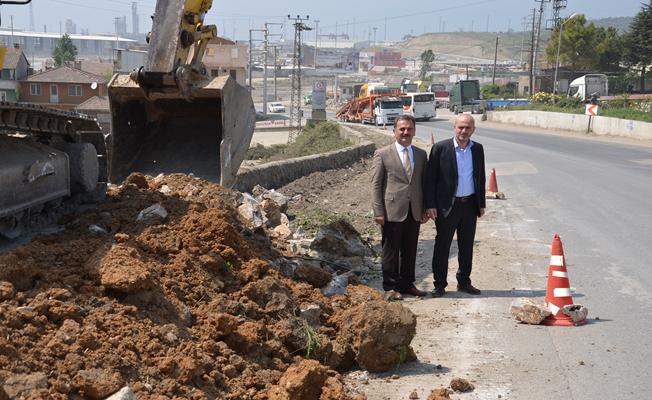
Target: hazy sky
[392, 19]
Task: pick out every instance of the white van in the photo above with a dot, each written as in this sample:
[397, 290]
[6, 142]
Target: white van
[422, 106]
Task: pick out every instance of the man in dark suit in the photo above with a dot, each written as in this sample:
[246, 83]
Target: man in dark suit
[455, 198]
[397, 190]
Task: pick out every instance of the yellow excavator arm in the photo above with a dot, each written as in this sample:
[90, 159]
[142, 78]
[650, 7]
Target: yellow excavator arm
[169, 115]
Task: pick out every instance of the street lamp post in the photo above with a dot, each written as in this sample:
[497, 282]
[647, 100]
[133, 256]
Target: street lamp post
[561, 30]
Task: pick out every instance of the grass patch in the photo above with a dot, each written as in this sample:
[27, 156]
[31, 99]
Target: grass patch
[312, 340]
[315, 139]
[626, 113]
[605, 110]
[310, 219]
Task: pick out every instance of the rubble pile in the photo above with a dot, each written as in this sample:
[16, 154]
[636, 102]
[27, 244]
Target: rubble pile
[165, 292]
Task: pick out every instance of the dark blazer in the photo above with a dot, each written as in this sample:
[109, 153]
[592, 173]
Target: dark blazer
[441, 177]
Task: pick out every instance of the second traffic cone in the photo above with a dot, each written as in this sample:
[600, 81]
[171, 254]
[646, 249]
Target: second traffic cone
[432, 138]
[493, 184]
[558, 293]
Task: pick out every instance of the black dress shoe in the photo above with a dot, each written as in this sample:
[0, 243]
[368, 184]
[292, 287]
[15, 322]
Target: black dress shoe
[468, 288]
[414, 292]
[438, 292]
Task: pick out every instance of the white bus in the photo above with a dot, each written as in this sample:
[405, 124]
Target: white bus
[422, 106]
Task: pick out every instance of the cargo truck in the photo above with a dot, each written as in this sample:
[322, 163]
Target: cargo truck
[465, 96]
[587, 86]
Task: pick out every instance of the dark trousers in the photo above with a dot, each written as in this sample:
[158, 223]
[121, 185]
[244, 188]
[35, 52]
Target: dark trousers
[399, 253]
[462, 218]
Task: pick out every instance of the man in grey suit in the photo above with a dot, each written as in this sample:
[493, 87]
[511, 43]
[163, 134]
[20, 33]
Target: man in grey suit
[397, 189]
[455, 199]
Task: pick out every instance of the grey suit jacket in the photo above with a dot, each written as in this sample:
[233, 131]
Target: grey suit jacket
[392, 192]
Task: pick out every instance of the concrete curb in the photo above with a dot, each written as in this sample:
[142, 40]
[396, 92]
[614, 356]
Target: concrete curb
[275, 174]
[574, 122]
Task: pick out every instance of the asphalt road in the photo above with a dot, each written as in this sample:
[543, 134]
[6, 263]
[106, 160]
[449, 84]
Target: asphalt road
[598, 196]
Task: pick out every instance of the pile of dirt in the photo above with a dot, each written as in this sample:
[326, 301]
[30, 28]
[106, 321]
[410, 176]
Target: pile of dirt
[189, 304]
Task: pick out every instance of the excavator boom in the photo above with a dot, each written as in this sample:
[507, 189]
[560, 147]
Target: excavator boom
[169, 116]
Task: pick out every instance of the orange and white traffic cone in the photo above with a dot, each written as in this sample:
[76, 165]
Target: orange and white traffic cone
[432, 138]
[492, 189]
[558, 293]
[493, 184]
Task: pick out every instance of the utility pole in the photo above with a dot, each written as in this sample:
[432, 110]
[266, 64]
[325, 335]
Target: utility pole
[295, 98]
[251, 59]
[375, 28]
[557, 6]
[385, 29]
[467, 72]
[251, 46]
[265, 54]
[275, 72]
[493, 78]
[316, 40]
[538, 36]
[534, 19]
[265, 43]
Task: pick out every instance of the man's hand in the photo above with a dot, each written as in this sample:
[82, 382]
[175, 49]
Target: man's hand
[380, 220]
[431, 213]
[481, 212]
[424, 218]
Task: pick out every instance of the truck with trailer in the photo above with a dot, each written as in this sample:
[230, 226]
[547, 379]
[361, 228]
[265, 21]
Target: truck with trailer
[379, 109]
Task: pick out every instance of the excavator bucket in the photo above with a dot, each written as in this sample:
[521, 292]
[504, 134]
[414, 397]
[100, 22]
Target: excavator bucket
[159, 131]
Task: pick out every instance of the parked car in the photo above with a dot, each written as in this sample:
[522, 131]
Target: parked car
[275, 107]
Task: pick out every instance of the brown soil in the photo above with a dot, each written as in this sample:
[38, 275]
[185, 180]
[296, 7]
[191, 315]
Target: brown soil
[192, 307]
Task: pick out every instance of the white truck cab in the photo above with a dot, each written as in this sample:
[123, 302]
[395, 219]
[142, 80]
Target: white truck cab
[386, 110]
[586, 86]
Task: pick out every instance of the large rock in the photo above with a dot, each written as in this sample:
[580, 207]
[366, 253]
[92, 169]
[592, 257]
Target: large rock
[17, 386]
[153, 214]
[309, 380]
[122, 269]
[378, 334]
[250, 211]
[98, 383]
[123, 394]
[279, 198]
[577, 312]
[313, 274]
[526, 310]
[339, 239]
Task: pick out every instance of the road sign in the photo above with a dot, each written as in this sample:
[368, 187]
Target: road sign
[591, 110]
[319, 95]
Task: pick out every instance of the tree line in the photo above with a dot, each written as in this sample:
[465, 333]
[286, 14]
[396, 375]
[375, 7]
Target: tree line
[587, 47]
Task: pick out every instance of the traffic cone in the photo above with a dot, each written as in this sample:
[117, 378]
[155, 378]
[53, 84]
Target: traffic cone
[493, 184]
[432, 138]
[558, 293]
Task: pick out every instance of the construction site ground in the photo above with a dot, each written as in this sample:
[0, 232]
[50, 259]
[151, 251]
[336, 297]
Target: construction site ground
[458, 335]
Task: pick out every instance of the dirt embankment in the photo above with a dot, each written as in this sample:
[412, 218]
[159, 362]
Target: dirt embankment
[190, 305]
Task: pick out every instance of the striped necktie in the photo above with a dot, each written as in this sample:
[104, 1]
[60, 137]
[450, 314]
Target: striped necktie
[406, 163]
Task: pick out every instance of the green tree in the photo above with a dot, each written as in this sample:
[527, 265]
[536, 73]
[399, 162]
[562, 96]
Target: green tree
[637, 43]
[64, 51]
[427, 57]
[609, 46]
[578, 45]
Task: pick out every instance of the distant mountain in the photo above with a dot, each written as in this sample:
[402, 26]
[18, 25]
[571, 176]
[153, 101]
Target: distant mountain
[471, 45]
[620, 23]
